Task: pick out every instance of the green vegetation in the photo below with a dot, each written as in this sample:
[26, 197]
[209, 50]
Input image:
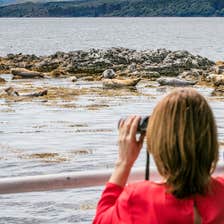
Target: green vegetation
[96, 8]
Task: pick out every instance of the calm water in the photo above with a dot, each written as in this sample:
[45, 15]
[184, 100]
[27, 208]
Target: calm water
[80, 133]
[202, 36]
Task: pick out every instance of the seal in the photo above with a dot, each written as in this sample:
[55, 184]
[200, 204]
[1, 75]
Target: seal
[25, 73]
[175, 82]
[119, 83]
[109, 74]
[11, 92]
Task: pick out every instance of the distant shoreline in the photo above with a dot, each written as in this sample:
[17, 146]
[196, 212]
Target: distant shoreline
[113, 17]
[117, 8]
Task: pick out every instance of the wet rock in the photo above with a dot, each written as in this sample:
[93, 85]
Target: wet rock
[219, 69]
[2, 81]
[211, 77]
[88, 78]
[218, 63]
[218, 91]
[132, 68]
[92, 67]
[122, 60]
[58, 73]
[164, 69]
[175, 82]
[15, 77]
[192, 75]
[10, 56]
[4, 65]
[109, 74]
[120, 83]
[218, 80]
[215, 79]
[73, 78]
[25, 73]
[150, 75]
[47, 65]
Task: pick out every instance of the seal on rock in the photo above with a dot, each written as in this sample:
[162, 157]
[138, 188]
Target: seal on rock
[109, 74]
[25, 73]
[11, 92]
[119, 83]
[175, 82]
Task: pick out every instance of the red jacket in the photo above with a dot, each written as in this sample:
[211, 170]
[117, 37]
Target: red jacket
[148, 202]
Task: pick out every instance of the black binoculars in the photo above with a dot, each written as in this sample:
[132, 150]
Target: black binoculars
[142, 126]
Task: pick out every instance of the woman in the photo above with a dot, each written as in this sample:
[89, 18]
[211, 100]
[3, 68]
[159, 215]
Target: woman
[182, 137]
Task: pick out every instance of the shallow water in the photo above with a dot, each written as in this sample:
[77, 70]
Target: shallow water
[57, 135]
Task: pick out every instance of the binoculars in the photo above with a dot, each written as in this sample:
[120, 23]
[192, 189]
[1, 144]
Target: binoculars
[142, 125]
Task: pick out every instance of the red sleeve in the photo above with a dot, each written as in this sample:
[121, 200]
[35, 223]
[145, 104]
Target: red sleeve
[113, 206]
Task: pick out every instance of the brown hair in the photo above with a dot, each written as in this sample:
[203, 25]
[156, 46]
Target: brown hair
[182, 137]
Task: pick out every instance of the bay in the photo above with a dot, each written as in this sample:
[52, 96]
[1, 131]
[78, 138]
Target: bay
[43, 36]
[38, 137]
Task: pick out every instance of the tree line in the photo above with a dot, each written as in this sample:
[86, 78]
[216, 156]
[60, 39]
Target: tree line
[123, 8]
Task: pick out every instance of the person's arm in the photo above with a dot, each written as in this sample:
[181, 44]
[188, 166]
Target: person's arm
[129, 148]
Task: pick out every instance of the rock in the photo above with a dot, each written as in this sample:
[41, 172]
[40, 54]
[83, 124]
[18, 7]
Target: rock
[218, 91]
[216, 79]
[212, 77]
[164, 69]
[2, 81]
[58, 73]
[150, 75]
[219, 63]
[88, 78]
[25, 73]
[4, 67]
[134, 74]
[120, 83]
[47, 64]
[132, 68]
[219, 69]
[73, 78]
[175, 82]
[109, 74]
[122, 60]
[15, 77]
[219, 82]
[192, 75]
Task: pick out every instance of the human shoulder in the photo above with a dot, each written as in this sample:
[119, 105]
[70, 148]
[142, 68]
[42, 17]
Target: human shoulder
[145, 188]
[220, 179]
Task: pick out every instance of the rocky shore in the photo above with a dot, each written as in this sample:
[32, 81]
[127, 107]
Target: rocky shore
[97, 64]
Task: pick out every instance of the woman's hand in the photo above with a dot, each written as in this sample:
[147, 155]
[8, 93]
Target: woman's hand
[129, 148]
